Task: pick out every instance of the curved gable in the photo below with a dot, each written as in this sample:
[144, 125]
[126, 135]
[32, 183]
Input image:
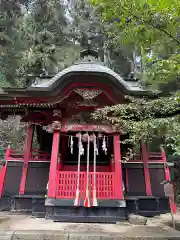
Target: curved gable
[90, 69]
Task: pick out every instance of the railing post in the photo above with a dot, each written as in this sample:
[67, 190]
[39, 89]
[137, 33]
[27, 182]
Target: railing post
[7, 153]
[27, 154]
[167, 177]
[53, 165]
[3, 170]
[118, 168]
[166, 169]
[146, 169]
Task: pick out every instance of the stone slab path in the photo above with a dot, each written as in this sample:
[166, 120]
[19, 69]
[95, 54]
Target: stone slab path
[23, 227]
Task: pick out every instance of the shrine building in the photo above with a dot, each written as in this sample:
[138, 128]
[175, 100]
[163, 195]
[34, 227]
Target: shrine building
[77, 173]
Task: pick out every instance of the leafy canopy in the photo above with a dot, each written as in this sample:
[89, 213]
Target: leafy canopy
[146, 119]
[143, 21]
[151, 27]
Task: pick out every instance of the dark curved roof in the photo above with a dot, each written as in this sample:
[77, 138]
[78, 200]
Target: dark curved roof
[86, 70]
[91, 67]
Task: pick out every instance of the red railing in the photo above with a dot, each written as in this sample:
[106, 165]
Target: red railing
[67, 183]
[155, 157]
[36, 155]
[68, 168]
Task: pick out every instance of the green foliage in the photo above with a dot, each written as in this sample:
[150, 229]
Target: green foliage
[32, 38]
[10, 41]
[146, 119]
[143, 22]
[165, 74]
[151, 28]
[43, 29]
[11, 134]
[42, 34]
[86, 25]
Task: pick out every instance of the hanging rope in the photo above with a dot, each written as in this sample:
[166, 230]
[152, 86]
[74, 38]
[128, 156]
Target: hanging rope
[94, 198]
[81, 152]
[104, 146]
[71, 144]
[87, 201]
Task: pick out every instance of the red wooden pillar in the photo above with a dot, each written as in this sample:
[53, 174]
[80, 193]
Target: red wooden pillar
[2, 177]
[53, 165]
[118, 168]
[166, 169]
[146, 170]
[3, 170]
[27, 154]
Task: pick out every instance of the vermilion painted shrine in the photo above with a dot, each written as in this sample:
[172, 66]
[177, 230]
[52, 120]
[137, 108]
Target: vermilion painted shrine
[77, 173]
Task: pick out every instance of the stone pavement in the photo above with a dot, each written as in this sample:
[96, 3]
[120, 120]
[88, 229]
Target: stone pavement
[22, 227]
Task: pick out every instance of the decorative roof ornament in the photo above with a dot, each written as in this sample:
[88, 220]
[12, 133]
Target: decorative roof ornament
[57, 113]
[44, 73]
[85, 102]
[89, 54]
[88, 93]
[36, 81]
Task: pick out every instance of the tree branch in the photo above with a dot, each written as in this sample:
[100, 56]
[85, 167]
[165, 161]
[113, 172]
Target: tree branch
[164, 31]
[152, 25]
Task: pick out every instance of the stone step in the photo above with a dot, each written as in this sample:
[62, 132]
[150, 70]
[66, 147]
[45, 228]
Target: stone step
[86, 215]
[124, 232]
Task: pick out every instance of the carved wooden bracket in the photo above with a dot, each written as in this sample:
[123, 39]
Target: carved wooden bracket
[55, 126]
